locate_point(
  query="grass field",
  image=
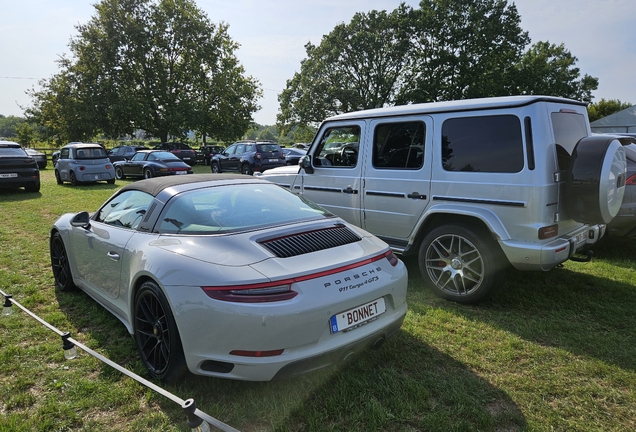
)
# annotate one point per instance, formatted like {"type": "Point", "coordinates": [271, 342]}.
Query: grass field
{"type": "Point", "coordinates": [552, 351]}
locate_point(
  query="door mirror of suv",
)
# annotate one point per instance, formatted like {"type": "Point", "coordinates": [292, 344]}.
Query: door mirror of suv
{"type": "Point", "coordinates": [305, 163]}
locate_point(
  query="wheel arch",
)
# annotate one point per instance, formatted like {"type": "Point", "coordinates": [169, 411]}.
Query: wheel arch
{"type": "Point", "coordinates": [480, 219]}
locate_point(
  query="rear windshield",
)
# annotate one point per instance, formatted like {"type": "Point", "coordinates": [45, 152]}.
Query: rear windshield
{"type": "Point", "coordinates": [12, 151]}
{"type": "Point", "coordinates": [90, 153]}
{"type": "Point", "coordinates": [223, 209]}
{"type": "Point", "coordinates": [267, 147]}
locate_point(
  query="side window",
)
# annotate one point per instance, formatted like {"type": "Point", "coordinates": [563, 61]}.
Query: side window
{"type": "Point", "coordinates": [484, 144]}
{"type": "Point", "coordinates": [399, 145]}
{"type": "Point", "coordinates": [126, 210]}
{"type": "Point", "coordinates": [338, 147]}
{"type": "Point", "coordinates": [64, 153]}
{"type": "Point", "coordinates": [138, 157]}
{"type": "Point", "coordinates": [230, 150]}
{"type": "Point", "coordinates": [240, 149]}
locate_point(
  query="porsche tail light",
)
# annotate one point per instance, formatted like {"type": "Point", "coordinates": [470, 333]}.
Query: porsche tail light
{"type": "Point", "coordinates": [253, 293]}
{"type": "Point", "coordinates": [390, 256]}
{"type": "Point", "coordinates": [245, 353]}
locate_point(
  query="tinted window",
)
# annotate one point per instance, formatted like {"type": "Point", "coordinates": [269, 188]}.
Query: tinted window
{"type": "Point", "coordinates": [12, 151]}
{"type": "Point", "coordinates": [126, 210]}
{"type": "Point", "coordinates": [568, 129]}
{"type": "Point", "coordinates": [399, 145]}
{"type": "Point", "coordinates": [267, 147]}
{"type": "Point", "coordinates": [139, 157]}
{"type": "Point", "coordinates": [484, 144]}
{"type": "Point", "coordinates": [224, 209]}
{"type": "Point", "coordinates": [338, 147]}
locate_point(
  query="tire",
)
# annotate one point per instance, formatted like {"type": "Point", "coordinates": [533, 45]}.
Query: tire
{"type": "Point", "coordinates": [58, 179]}
{"type": "Point", "coordinates": [246, 169]}
{"type": "Point", "coordinates": [59, 264]}
{"type": "Point", "coordinates": [148, 173]}
{"type": "Point", "coordinates": [74, 181]}
{"type": "Point", "coordinates": [156, 334]}
{"type": "Point", "coordinates": [596, 180]}
{"type": "Point", "coordinates": [461, 264]}
{"type": "Point", "coordinates": [214, 167]}
{"type": "Point", "coordinates": [111, 181]}
{"type": "Point", "coordinates": [119, 173]}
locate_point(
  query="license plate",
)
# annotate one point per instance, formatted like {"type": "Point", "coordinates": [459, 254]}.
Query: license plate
{"type": "Point", "coordinates": [581, 238]}
{"type": "Point", "coordinates": [180, 172]}
{"type": "Point", "coordinates": [273, 160]}
{"type": "Point", "coordinates": [10, 175]}
{"type": "Point", "coordinates": [352, 318]}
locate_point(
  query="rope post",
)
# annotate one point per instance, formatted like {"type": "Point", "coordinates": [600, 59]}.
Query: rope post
{"type": "Point", "coordinates": [6, 310]}
{"type": "Point", "coordinates": [195, 423]}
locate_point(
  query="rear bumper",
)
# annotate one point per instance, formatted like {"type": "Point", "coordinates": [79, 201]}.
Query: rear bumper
{"type": "Point", "coordinates": [537, 257]}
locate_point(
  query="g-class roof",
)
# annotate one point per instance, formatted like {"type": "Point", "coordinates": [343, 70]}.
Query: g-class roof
{"type": "Point", "coordinates": [456, 105]}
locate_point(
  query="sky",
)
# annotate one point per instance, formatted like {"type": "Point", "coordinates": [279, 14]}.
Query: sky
{"type": "Point", "coordinates": [272, 35]}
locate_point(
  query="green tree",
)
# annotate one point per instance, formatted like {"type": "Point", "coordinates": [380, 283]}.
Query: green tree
{"type": "Point", "coordinates": [462, 49]}
{"type": "Point", "coordinates": [443, 50]}
{"type": "Point", "coordinates": [8, 125]}
{"type": "Point", "coordinates": [603, 108]}
{"type": "Point", "coordinates": [25, 134]}
{"type": "Point", "coordinates": [156, 65]}
{"type": "Point", "coordinates": [357, 66]}
{"type": "Point", "coordinates": [549, 69]}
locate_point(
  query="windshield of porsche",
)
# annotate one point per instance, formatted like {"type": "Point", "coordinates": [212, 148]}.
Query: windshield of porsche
{"type": "Point", "coordinates": [229, 208]}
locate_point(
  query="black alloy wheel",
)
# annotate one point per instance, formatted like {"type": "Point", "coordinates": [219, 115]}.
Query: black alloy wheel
{"type": "Point", "coordinates": [156, 334]}
{"type": "Point", "coordinates": [59, 264]}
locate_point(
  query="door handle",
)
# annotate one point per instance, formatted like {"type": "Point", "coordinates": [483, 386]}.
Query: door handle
{"type": "Point", "coordinates": [416, 195]}
{"type": "Point", "coordinates": [113, 255]}
{"type": "Point", "coordinates": [348, 190]}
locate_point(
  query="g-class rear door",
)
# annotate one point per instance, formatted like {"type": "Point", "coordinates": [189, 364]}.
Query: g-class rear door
{"type": "Point", "coordinates": [335, 179]}
{"type": "Point", "coordinates": [397, 177]}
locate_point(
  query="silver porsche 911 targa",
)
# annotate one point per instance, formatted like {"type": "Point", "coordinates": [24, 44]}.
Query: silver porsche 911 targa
{"type": "Point", "coordinates": [231, 276]}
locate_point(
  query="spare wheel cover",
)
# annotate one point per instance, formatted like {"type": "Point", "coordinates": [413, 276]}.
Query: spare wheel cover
{"type": "Point", "coordinates": [596, 180]}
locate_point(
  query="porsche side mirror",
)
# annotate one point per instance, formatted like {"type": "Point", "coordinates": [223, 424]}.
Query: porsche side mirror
{"type": "Point", "coordinates": [82, 220]}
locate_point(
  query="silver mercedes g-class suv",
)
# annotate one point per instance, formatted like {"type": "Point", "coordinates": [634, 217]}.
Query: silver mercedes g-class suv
{"type": "Point", "coordinates": [470, 186]}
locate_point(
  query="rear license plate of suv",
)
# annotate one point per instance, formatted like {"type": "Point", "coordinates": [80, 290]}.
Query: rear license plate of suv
{"type": "Point", "coordinates": [357, 316]}
{"type": "Point", "coordinates": [10, 175]}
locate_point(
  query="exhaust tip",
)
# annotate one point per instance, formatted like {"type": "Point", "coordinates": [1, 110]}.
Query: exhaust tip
{"type": "Point", "coordinates": [378, 343]}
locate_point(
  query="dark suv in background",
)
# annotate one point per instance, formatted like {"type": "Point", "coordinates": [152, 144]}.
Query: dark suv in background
{"type": "Point", "coordinates": [247, 157]}
{"type": "Point", "coordinates": [180, 150]}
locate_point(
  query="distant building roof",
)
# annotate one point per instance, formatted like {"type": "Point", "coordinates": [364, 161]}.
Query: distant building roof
{"type": "Point", "coordinates": [623, 121]}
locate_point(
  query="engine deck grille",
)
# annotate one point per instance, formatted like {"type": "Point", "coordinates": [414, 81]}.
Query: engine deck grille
{"type": "Point", "coordinates": [311, 241]}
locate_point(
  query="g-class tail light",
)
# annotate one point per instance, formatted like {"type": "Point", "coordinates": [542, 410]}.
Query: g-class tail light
{"type": "Point", "coordinates": [548, 231]}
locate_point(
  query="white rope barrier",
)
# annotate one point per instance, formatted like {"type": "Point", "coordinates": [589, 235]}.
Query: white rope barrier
{"type": "Point", "coordinates": [187, 405]}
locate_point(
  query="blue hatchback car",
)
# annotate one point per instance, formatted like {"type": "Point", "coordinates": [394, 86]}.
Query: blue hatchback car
{"type": "Point", "coordinates": [83, 163]}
